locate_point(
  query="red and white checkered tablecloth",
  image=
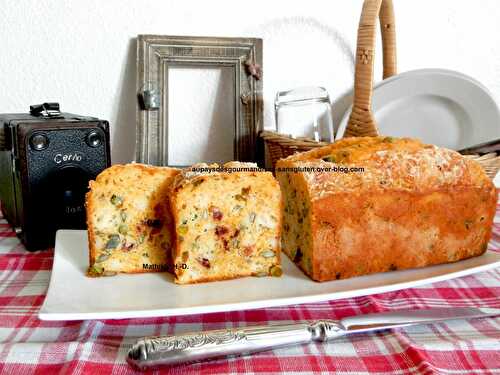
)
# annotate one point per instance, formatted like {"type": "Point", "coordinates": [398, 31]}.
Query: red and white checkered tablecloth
{"type": "Point", "coordinates": [31, 346]}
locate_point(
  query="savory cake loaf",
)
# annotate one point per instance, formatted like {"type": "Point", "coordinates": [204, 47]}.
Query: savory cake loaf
{"type": "Point", "coordinates": [227, 223]}
{"type": "Point", "coordinates": [366, 205]}
{"type": "Point", "coordinates": [129, 221]}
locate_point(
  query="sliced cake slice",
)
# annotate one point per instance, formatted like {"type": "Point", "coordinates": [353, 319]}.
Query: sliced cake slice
{"type": "Point", "coordinates": [227, 223]}
{"type": "Point", "coordinates": [129, 221]}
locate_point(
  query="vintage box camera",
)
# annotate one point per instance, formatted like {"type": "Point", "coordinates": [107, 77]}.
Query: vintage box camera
{"type": "Point", "coordinates": [46, 161]}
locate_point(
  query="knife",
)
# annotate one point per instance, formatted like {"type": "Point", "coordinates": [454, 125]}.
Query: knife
{"type": "Point", "coordinates": [152, 352]}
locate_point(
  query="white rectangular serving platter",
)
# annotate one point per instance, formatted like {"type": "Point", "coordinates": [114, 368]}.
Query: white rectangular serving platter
{"type": "Point", "coordinates": [74, 296]}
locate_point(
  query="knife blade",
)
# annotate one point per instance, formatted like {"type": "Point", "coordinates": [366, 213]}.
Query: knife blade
{"type": "Point", "coordinates": [405, 318]}
{"type": "Point", "coordinates": [155, 351]}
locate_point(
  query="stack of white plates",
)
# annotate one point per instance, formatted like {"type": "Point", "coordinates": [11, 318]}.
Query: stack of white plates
{"type": "Point", "coordinates": [441, 107]}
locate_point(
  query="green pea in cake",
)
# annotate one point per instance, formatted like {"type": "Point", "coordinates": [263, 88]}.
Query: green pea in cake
{"type": "Point", "coordinates": [227, 223]}
{"type": "Point", "coordinates": [129, 221]}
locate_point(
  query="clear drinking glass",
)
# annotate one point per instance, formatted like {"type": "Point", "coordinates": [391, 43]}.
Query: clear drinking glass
{"type": "Point", "coordinates": [304, 112]}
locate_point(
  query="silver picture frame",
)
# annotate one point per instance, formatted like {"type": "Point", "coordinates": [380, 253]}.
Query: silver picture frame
{"type": "Point", "coordinates": [156, 54]}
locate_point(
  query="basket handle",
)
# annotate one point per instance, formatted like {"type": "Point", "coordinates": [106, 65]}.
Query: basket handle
{"type": "Point", "coordinates": [361, 122]}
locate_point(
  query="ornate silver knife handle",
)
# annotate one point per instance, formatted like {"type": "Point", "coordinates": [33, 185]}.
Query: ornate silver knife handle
{"type": "Point", "coordinates": [151, 352]}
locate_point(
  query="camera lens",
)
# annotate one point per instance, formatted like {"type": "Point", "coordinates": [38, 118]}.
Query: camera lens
{"type": "Point", "coordinates": [94, 138]}
{"type": "Point", "coordinates": [68, 186]}
{"type": "Point", "coordinates": [39, 142]}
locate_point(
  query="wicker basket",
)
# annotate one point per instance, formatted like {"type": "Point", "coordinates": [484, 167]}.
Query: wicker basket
{"type": "Point", "coordinates": [362, 122]}
{"type": "Point", "coordinates": [280, 146]}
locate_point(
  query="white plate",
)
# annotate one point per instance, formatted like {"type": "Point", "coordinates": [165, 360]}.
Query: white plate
{"type": "Point", "coordinates": [440, 107]}
{"type": "Point", "coordinates": [73, 296]}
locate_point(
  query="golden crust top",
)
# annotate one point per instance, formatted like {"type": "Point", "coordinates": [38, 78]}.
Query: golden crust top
{"type": "Point", "coordinates": [384, 163]}
{"type": "Point", "coordinates": [201, 170]}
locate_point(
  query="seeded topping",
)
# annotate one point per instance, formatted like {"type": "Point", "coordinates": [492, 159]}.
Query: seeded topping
{"type": "Point", "coordinates": [103, 257]}
{"type": "Point", "coordinates": [113, 242]}
{"type": "Point", "coordinates": [204, 262]}
{"type": "Point", "coordinates": [276, 271]}
{"type": "Point", "coordinates": [268, 254]}
{"type": "Point", "coordinates": [183, 229]}
{"type": "Point", "coordinates": [409, 167]}
{"type": "Point", "coordinates": [116, 200]}
{"type": "Point", "coordinates": [96, 270]}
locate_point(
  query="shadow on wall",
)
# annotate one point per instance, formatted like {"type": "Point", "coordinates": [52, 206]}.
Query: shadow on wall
{"type": "Point", "coordinates": [223, 113]}
{"type": "Point", "coordinates": [303, 51]}
{"type": "Point", "coordinates": [340, 64]}
{"type": "Point", "coordinates": [123, 126]}
{"type": "Point", "coordinates": [340, 107]}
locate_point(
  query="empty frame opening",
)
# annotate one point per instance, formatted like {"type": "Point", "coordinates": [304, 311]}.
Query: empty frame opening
{"type": "Point", "coordinates": [201, 115]}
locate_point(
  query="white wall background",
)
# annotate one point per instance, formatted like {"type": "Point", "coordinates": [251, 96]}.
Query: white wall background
{"type": "Point", "coordinates": [82, 52]}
